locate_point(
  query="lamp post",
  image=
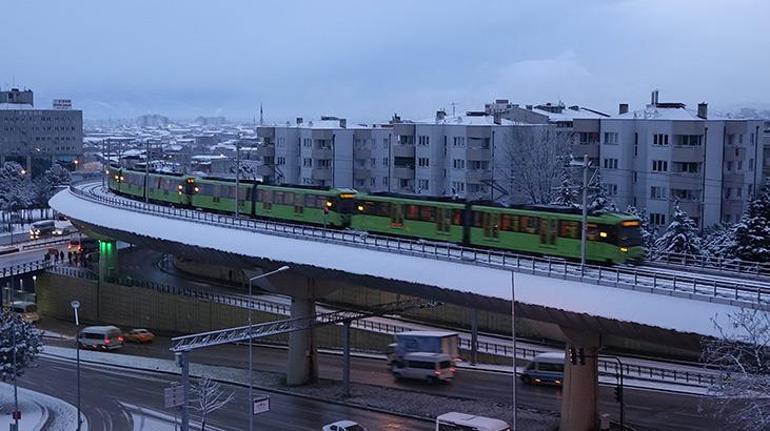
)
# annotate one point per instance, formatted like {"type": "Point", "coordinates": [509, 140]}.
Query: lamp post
{"type": "Point", "coordinates": [585, 164]}
{"type": "Point", "coordinates": [75, 305]}
{"type": "Point", "coordinates": [237, 179]}
{"type": "Point", "coordinates": [513, 337]}
{"type": "Point", "coordinates": [251, 368]}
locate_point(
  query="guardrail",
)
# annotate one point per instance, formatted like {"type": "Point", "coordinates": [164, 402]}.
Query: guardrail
{"type": "Point", "coordinates": [642, 372]}
{"type": "Point", "coordinates": [24, 268]}
{"type": "Point", "coordinates": [736, 266]}
{"type": "Point", "coordinates": [684, 286]}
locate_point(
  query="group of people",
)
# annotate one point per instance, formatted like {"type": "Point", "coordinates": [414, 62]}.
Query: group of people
{"type": "Point", "coordinates": [73, 257]}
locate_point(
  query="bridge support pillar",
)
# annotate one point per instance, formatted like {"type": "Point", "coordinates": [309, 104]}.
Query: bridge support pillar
{"type": "Point", "coordinates": [303, 363]}
{"type": "Point", "coordinates": [580, 392]}
{"type": "Point", "coordinates": [108, 259]}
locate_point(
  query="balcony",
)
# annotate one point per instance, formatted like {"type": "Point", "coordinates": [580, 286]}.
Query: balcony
{"type": "Point", "coordinates": [323, 174]}
{"type": "Point", "coordinates": [400, 150]}
{"type": "Point", "coordinates": [321, 153]}
{"type": "Point", "coordinates": [403, 172]}
{"type": "Point", "coordinates": [265, 151]}
{"type": "Point", "coordinates": [478, 176]}
{"type": "Point", "coordinates": [362, 173]}
{"type": "Point", "coordinates": [478, 153]}
{"type": "Point", "coordinates": [687, 153]}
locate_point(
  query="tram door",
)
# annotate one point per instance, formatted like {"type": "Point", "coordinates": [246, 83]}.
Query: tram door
{"type": "Point", "coordinates": [548, 229]}
{"type": "Point", "coordinates": [443, 220]}
{"type": "Point", "coordinates": [396, 215]}
{"type": "Point", "coordinates": [491, 224]}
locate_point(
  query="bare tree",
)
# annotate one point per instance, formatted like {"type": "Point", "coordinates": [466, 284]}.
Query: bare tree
{"type": "Point", "coordinates": [208, 397]}
{"type": "Point", "coordinates": [742, 355]}
{"type": "Point", "coordinates": [531, 162]}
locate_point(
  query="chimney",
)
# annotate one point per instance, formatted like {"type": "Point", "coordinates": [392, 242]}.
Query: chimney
{"type": "Point", "coordinates": [703, 110]}
{"type": "Point", "coordinates": [440, 115]}
{"type": "Point", "coordinates": [654, 98]}
{"type": "Point", "coordinates": [343, 123]}
{"type": "Point", "coordinates": [299, 120]}
{"type": "Point", "coordinates": [622, 108]}
{"type": "Point", "coordinates": [497, 117]}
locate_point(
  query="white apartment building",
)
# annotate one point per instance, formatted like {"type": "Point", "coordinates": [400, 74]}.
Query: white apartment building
{"type": "Point", "coordinates": [664, 153]}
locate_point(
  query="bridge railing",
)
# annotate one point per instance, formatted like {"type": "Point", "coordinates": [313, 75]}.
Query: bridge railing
{"type": "Point", "coordinates": [607, 367]}
{"type": "Point", "coordinates": [25, 268]}
{"type": "Point", "coordinates": [732, 265]}
{"type": "Point", "coordinates": [682, 285]}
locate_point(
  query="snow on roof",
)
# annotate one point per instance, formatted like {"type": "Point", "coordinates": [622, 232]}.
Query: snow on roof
{"type": "Point", "coordinates": [428, 333]}
{"type": "Point", "coordinates": [16, 106]}
{"type": "Point", "coordinates": [467, 120]}
{"type": "Point", "coordinates": [470, 420]}
{"type": "Point", "coordinates": [571, 113]}
{"type": "Point", "coordinates": [652, 112]}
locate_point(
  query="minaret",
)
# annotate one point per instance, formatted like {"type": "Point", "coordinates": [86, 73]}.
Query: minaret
{"type": "Point", "coordinates": [261, 117]}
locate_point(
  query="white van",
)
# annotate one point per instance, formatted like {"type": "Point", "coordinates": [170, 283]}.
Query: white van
{"type": "Point", "coordinates": [42, 229]}
{"type": "Point", "coordinates": [454, 421]}
{"type": "Point", "coordinates": [431, 367]}
{"type": "Point", "coordinates": [545, 368]}
{"type": "Point", "coordinates": [101, 338]}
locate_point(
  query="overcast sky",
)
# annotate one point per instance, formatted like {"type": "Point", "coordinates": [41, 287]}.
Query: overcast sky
{"type": "Point", "coordinates": [366, 60]}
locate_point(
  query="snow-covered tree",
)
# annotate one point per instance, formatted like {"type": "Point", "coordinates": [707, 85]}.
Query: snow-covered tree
{"type": "Point", "coordinates": [599, 199]}
{"type": "Point", "coordinates": [741, 393]}
{"type": "Point", "coordinates": [718, 240]}
{"type": "Point", "coordinates": [27, 340]}
{"type": "Point", "coordinates": [648, 236]}
{"type": "Point", "coordinates": [208, 397]}
{"type": "Point", "coordinates": [532, 163]}
{"type": "Point", "coordinates": [752, 232]}
{"type": "Point", "coordinates": [57, 175]}
{"type": "Point", "coordinates": [15, 187]}
{"type": "Point", "coordinates": [44, 187]}
{"type": "Point", "coordinates": [568, 193]}
{"type": "Point", "coordinates": [681, 235]}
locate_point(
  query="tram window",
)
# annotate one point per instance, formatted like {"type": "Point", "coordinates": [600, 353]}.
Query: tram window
{"type": "Point", "coordinates": [320, 201]}
{"type": "Point", "coordinates": [412, 212]}
{"type": "Point", "coordinates": [427, 213]}
{"type": "Point", "coordinates": [505, 222]}
{"type": "Point", "coordinates": [528, 224]}
{"type": "Point", "coordinates": [478, 219]}
{"type": "Point", "coordinates": [382, 209]}
{"type": "Point", "coordinates": [288, 198]}
{"type": "Point", "coordinates": [457, 217]}
{"type": "Point", "coordinates": [593, 232]}
{"type": "Point", "coordinates": [310, 201]}
{"type": "Point", "coordinates": [569, 229]}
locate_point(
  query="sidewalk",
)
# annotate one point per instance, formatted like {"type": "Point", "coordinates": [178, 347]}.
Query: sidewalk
{"type": "Point", "coordinates": [38, 411]}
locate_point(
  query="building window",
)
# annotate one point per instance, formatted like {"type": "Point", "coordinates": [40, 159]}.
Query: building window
{"type": "Point", "coordinates": [612, 189]}
{"type": "Point", "coordinates": [280, 160]}
{"type": "Point", "coordinates": [685, 195]}
{"type": "Point", "coordinates": [307, 162]}
{"type": "Point", "coordinates": [423, 162]}
{"type": "Point", "coordinates": [751, 164]}
{"type": "Point", "coordinates": [610, 138]}
{"type": "Point", "coordinates": [478, 165]}
{"type": "Point", "coordinates": [728, 193]}
{"type": "Point", "coordinates": [458, 141]}
{"type": "Point", "coordinates": [729, 166]}
{"type": "Point", "coordinates": [423, 140]}
{"type": "Point", "coordinates": [403, 183]}
{"type": "Point", "coordinates": [610, 163]}
{"type": "Point", "coordinates": [458, 187]}
{"type": "Point", "coordinates": [373, 162]}
{"type": "Point", "coordinates": [657, 192]}
{"type": "Point", "coordinates": [422, 185]}
{"type": "Point", "coordinates": [385, 161]}
{"type": "Point", "coordinates": [458, 164]}
{"type": "Point", "coordinates": [660, 166]}
{"type": "Point", "coordinates": [385, 181]}
{"type": "Point", "coordinates": [324, 163]}
{"type": "Point", "coordinates": [691, 140]}
{"type": "Point", "coordinates": [657, 219]}
{"type": "Point", "coordinates": [686, 167]}
{"type": "Point", "coordinates": [586, 138]}
{"type": "Point", "coordinates": [660, 139]}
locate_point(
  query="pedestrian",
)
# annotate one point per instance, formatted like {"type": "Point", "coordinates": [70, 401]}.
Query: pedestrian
{"type": "Point", "coordinates": [55, 257]}
{"type": "Point", "coordinates": [69, 257]}
{"type": "Point", "coordinates": [61, 256]}
{"type": "Point", "coordinates": [47, 257]}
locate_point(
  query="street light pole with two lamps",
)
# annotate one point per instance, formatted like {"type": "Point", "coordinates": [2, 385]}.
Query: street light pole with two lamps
{"type": "Point", "coordinates": [75, 305]}
{"type": "Point", "coordinates": [251, 365]}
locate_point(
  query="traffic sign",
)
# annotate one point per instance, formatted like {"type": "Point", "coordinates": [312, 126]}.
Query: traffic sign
{"type": "Point", "coordinates": [261, 405]}
{"type": "Point", "coordinates": [173, 396]}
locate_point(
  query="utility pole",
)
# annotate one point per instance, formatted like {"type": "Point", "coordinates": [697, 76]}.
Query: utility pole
{"type": "Point", "coordinates": [237, 176]}
{"type": "Point", "coordinates": [584, 224]}
{"type": "Point", "coordinates": [146, 169]}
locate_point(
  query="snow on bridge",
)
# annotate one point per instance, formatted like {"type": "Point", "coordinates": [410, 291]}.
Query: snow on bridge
{"type": "Point", "coordinates": [681, 303]}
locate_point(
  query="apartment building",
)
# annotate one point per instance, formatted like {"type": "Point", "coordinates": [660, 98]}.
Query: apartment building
{"type": "Point", "coordinates": [666, 152]}
{"type": "Point", "coordinates": [36, 137]}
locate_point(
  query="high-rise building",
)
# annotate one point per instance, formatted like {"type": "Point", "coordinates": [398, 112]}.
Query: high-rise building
{"type": "Point", "coordinates": [37, 137]}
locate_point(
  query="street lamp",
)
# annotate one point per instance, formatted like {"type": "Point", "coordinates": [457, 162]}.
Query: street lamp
{"type": "Point", "coordinates": [585, 164]}
{"type": "Point", "coordinates": [75, 305]}
{"type": "Point", "coordinates": [251, 368]}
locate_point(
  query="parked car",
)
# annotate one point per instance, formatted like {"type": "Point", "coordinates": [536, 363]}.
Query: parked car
{"type": "Point", "coordinates": [545, 368]}
{"type": "Point", "coordinates": [74, 245]}
{"type": "Point", "coordinates": [454, 421]}
{"type": "Point", "coordinates": [428, 366]}
{"type": "Point", "coordinates": [139, 336]}
{"type": "Point", "coordinates": [101, 338]}
{"type": "Point", "coordinates": [343, 426]}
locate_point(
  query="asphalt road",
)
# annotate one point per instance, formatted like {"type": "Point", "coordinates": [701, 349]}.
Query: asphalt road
{"type": "Point", "coordinates": [116, 399]}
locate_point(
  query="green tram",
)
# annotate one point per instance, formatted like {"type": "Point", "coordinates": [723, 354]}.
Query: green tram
{"type": "Point", "coordinates": [541, 230]}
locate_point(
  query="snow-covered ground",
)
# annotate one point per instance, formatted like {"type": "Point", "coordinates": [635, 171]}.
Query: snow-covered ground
{"type": "Point", "coordinates": [38, 411]}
